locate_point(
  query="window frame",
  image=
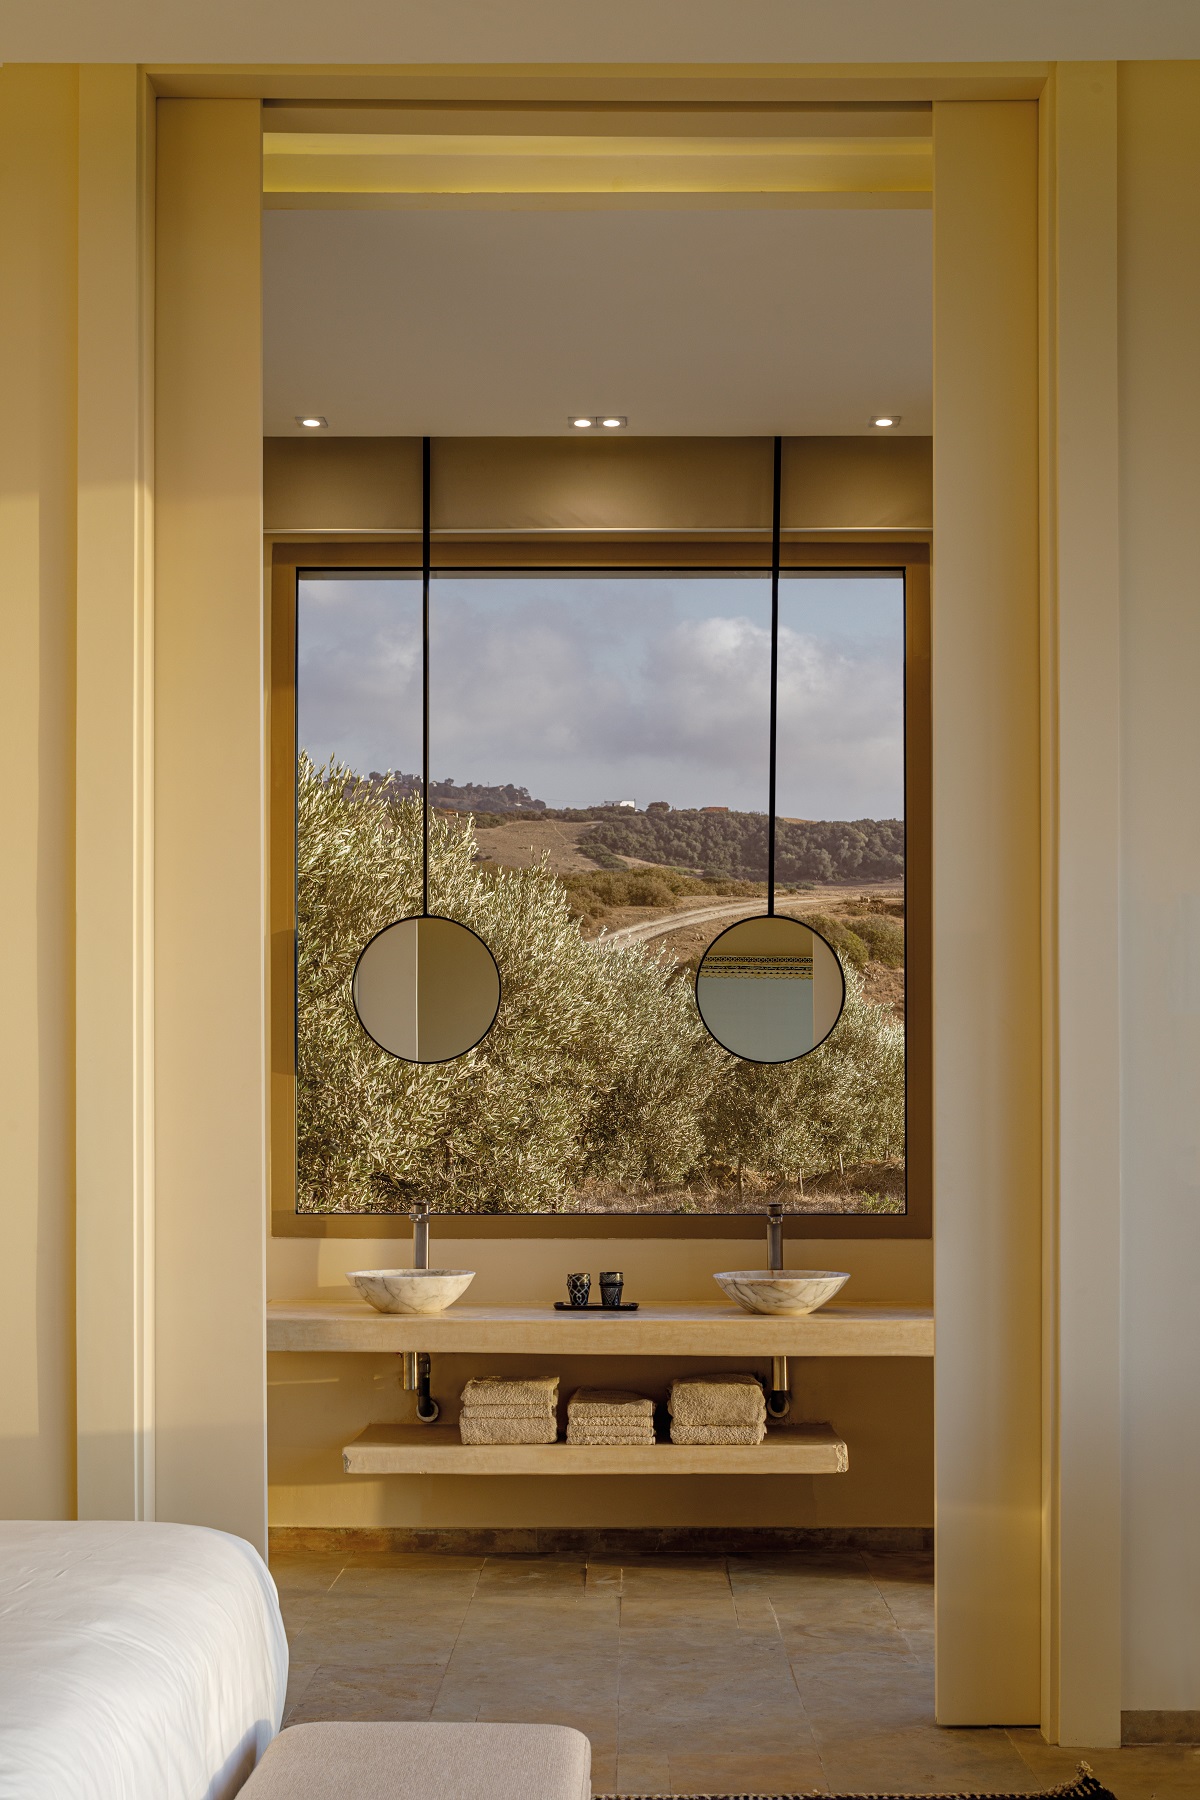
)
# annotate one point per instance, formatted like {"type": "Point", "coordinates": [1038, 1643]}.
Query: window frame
{"type": "Point", "coordinates": [906, 552]}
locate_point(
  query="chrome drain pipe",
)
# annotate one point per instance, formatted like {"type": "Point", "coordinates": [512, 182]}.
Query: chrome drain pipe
{"type": "Point", "coordinates": [415, 1376]}
{"type": "Point", "coordinates": [779, 1400]}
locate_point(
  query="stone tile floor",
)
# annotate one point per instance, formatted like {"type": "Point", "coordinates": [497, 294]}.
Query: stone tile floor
{"type": "Point", "coordinates": [736, 1675]}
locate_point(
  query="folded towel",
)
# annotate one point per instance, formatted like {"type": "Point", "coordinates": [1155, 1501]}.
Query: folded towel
{"type": "Point", "coordinates": [499, 1390]}
{"type": "Point", "coordinates": [608, 1403]}
{"type": "Point", "coordinates": [474, 1411]}
{"type": "Point", "coordinates": [578, 1433]}
{"type": "Point", "coordinates": [634, 1428]}
{"type": "Point", "coordinates": [717, 1434]}
{"type": "Point", "coordinates": [735, 1399]}
{"type": "Point", "coordinates": [602, 1421]}
{"type": "Point", "coordinates": [508, 1431]}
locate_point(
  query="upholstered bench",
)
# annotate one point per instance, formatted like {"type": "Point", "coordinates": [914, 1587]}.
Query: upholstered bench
{"type": "Point", "coordinates": [425, 1761]}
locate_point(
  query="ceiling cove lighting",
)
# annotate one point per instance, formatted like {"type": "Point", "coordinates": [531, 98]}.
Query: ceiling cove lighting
{"type": "Point", "coordinates": [606, 421]}
{"type": "Point", "coordinates": [885, 421]}
{"type": "Point", "coordinates": [312, 422]}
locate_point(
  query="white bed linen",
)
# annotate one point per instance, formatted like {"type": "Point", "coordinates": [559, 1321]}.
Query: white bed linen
{"type": "Point", "coordinates": [137, 1662]}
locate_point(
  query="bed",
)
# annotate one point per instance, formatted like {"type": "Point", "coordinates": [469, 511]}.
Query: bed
{"type": "Point", "coordinates": [137, 1662]}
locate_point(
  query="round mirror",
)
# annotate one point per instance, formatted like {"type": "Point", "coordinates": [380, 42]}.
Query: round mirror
{"type": "Point", "coordinates": [426, 989]}
{"type": "Point", "coordinates": [770, 989]}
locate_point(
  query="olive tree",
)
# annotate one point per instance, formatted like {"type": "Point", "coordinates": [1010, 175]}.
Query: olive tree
{"type": "Point", "coordinates": [597, 1065]}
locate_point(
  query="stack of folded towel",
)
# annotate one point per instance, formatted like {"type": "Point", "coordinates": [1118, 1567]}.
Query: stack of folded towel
{"type": "Point", "coordinates": [718, 1409]}
{"type": "Point", "coordinates": [496, 1410]}
{"type": "Point", "coordinates": [609, 1416]}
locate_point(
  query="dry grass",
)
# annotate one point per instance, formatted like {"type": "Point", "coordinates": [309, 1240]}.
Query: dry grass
{"type": "Point", "coordinates": [863, 1188]}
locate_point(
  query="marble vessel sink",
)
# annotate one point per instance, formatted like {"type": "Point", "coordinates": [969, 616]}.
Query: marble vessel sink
{"type": "Point", "coordinates": [411, 1290]}
{"type": "Point", "coordinates": [785, 1292]}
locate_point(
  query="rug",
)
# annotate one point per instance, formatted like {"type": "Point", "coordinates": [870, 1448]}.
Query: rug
{"type": "Point", "coordinates": [1084, 1787]}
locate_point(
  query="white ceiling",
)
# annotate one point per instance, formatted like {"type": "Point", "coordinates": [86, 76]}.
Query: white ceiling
{"type": "Point", "coordinates": [692, 323]}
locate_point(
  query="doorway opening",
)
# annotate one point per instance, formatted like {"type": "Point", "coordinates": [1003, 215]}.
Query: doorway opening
{"type": "Point", "coordinates": [602, 319]}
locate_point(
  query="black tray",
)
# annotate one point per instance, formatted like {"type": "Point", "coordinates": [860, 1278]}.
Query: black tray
{"type": "Point", "coordinates": [596, 1306]}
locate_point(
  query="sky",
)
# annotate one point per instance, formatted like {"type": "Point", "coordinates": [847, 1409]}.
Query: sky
{"type": "Point", "coordinates": [592, 688]}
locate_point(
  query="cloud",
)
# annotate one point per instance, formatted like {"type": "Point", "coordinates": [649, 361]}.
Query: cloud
{"type": "Point", "coordinates": [610, 689]}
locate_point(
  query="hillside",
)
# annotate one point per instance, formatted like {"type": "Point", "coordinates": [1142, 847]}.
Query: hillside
{"type": "Point", "coordinates": [719, 846]}
{"type": "Point", "coordinates": [735, 844]}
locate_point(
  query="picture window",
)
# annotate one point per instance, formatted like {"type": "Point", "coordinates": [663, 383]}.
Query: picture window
{"type": "Point", "coordinates": [599, 746]}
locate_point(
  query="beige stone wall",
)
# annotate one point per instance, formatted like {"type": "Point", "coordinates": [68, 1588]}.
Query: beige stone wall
{"type": "Point", "coordinates": [348, 484]}
{"type": "Point", "coordinates": [882, 1406]}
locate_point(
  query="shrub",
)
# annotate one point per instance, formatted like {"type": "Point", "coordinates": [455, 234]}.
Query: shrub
{"type": "Point", "coordinates": [883, 937]}
{"type": "Point", "coordinates": [849, 945]}
{"type": "Point", "coordinates": [648, 890]}
{"type": "Point", "coordinates": [593, 896]}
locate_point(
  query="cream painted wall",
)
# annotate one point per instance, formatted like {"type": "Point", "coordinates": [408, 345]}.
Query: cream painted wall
{"type": "Point", "coordinates": [1159, 262]}
{"type": "Point", "coordinates": [38, 187]}
{"type": "Point", "coordinates": [113, 791]}
{"type": "Point", "coordinates": [883, 1406]}
{"type": "Point", "coordinates": [1080, 699]}
{"type": "Point", "coordinates": [209, 842]}
{"type": "Point", "coordinates": [987, 1101]}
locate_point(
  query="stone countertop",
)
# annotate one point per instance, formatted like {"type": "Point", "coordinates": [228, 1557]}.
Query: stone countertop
{"type": "Point", "coordinates": [657, 1329]}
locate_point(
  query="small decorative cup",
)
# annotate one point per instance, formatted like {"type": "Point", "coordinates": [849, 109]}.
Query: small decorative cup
{"type": "Point", "coordinates": [611, 1283]}
{"type": "Point", "coordinates": [579, 1288]}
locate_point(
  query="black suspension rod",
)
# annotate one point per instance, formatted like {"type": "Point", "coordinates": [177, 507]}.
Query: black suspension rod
{"type": "Point", "coordinates": [425, 559]}
{"type": "Point", "coordinates": [776, 506]}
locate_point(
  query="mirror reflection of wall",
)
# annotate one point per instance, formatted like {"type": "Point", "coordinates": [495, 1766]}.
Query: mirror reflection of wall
{"type": "Point", "coordinates": [599, 760]}
{"type": "Point", "coordinates": [426, 989]}
{"type": "Point", "coordinates": [770, 989]}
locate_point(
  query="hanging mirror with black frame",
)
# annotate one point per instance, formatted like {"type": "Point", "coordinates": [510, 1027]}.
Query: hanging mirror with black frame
{"type": "Point", "coordinates": [426, 989]}
{"type": "Point", "coordinates": [771, 989]}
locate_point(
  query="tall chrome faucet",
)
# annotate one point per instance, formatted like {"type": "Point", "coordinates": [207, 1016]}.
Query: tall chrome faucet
{"type": "Point", "coordinates": [775, 1238]}
{"type": "Point", "coordinates": [420, 1225]}
{"type": "Point", "coordinates": [779, 1400]}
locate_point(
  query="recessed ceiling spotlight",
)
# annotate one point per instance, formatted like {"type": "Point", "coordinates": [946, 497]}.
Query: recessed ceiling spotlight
{"type": "Point", "coordinates": [614, 423]}
{"type": "Point", "coordinates": [312, 422]}
{"type": "Point", "coordinates": [580, 424]}
{"type": "Point", "coordinates": [885, 421]}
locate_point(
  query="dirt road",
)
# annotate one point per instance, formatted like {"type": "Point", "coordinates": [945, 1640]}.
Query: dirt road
{"type": "Point", "coordinates": [820, 900]}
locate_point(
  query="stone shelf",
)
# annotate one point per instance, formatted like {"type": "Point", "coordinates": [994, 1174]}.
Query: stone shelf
{"type": "Point", "coordinates": [437, 1450]}
{"type": "Point", "coordinates": [657, 1329]}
